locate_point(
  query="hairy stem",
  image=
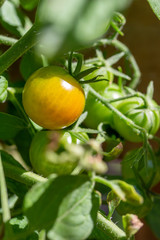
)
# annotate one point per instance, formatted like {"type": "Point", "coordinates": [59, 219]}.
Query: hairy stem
{"type": "Point", "coordinates": [4, 195]}
{"type": "Point", "coordinates": [7, 40]}
{"type": "Point", "coordinates": [130, 58]}
{"type": "Point", "coordinates": [111, 230]}
{"type": "Point", "coordinates": [21, 175]}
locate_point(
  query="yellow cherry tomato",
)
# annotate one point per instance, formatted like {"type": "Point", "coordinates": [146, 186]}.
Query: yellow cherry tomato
{"type": "Point", "coordinates": [52, 98]}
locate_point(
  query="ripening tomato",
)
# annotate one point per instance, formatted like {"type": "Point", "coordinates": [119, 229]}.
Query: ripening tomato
{"type": "Point", "coordinates": [52, 98]}
{"type": "Point", "coordinates": [97, 112]}
{"type": "Point", "coordinates": [134, 108]}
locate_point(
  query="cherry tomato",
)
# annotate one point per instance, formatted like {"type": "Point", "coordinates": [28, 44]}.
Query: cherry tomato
{"type": "Point", "coordinates": [97, 112]}
{"type": "Point", "coordinates": [134, 108]}
{"type": "Point", "coordinates": [127, 171]}
{"type": "Point", "coordinates": [49, 152]}
{"type": "Point", "coordinates": [52, 98]}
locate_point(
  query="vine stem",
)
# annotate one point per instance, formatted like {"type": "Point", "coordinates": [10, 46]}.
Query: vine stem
{"type": "Point", "coordinates": [7, 40]}
{"type": "Point", "coordinates": [111, 230]}
{"type": "Point", "coordinates": [20, 175]}
{"type": "Point", "coordinates": [4, 195]}
{"type": "Point", "coordinates": [137, 129]}
{"type": "Point", "coordinates": [19, 48]}
{"type": "Point", "coordinates": [122, 47]}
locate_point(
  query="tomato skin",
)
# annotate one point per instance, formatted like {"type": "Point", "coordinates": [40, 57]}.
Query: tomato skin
{"type": "Point", "coordinates": [97, 112]}
{"type": "Point", "coordinates": [52, 98]}
{"type": "Point", "coordinates": [134, 109]}
{"type": "Point", "coordinates": [128, 173]}
{"type": "Point", "coordinates": [48, 153]}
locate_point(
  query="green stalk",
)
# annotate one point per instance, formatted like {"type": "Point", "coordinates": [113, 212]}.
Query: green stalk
{"type": "Point", "coordinates": [21, 175]}
{"type": "Point", "coordinates": [4, 195]}
{"type": "Point", "coordinates": [130, 58]}
{"type": "Point", "coordinates": [19, 48]}
{"type": "Point", "coordinates": [138, 130]}
{"type": "Point", "coordinates": [111, 230]}
{"type": "Point", "coordinates": [7, 40]}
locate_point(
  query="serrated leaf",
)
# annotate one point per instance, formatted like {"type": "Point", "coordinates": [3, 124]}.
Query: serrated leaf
{"type": "Point", "coordinates": [155, 5]}
{"type": "Point", "coordinates": [3, 89]}
{"type": "Point", "coordinates": [10, 126]}
{"type": "Point", "coordinates": [65, 209]}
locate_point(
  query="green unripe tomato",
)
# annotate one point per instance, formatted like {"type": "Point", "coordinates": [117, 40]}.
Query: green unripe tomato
{"type": "Point", "coordinates": [48, 153]}
{"type": "Point", "coordinates": [127, 171]}
{"type": "Point", "coordinates": [97, 112]}
{"type": "Point", "coordinates": [101, 85]}
{"type": "Point", "coordinates": [134, 109]}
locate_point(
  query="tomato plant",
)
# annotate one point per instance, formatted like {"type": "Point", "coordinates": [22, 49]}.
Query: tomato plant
{"type": "Point", "coordinates": [57, 153]}
{"type": "Point", "coordinates": [52, 98]}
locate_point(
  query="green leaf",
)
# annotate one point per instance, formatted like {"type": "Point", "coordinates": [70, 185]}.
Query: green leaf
{"type": "Point", "coordinates": [1, 2]}
{"type": "Point", "coordinates": [29, 64]}
{"type": "Point", "coordinates": [86, 20]}
{"type": "Point", "coordinates": [65, 204]}
{"type": "Point", "coordinates": [16, 229]}
{"type": "Point", "coordinates": [10, 126]}
{"type": "Point", "coordinates": [115, 58]}
{"type": "Point", "coordinates": [3, 89]}
{"type": "Point", "coordinates": [155, 5]}
{"type": "Point", "coordinates": [126, 192]}
{"type": "Point", "coordinates": [23, 141]}
{"type": "Point", "coordinates": [13, 20]}
{"type": "Point", "coordinates": [29, 4]}
{"type": "Point", "coordinates": [153, 218]}
{"type": "Point", "coordinates": [123, 190]}
{"type": "Point", "coordinates": [114, 153]}
{"type": "Point", "coordinates": [113, 201]}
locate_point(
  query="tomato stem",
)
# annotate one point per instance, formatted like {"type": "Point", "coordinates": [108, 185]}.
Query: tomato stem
{"type": "Point", "coordinates": [4, 195]}
{"type": "Point", "coordinates": [111, 230]}
{"type": "Point", "coordinates": [8, 41]}
{"type": "Point", "coordinates": [20, 175]}
{"type": "Point", "coordinates": [137, 129]}
{"type": "Point", "coordinates": [130, 58]}
{"type": "Point", "coordinates": [19, 48]}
